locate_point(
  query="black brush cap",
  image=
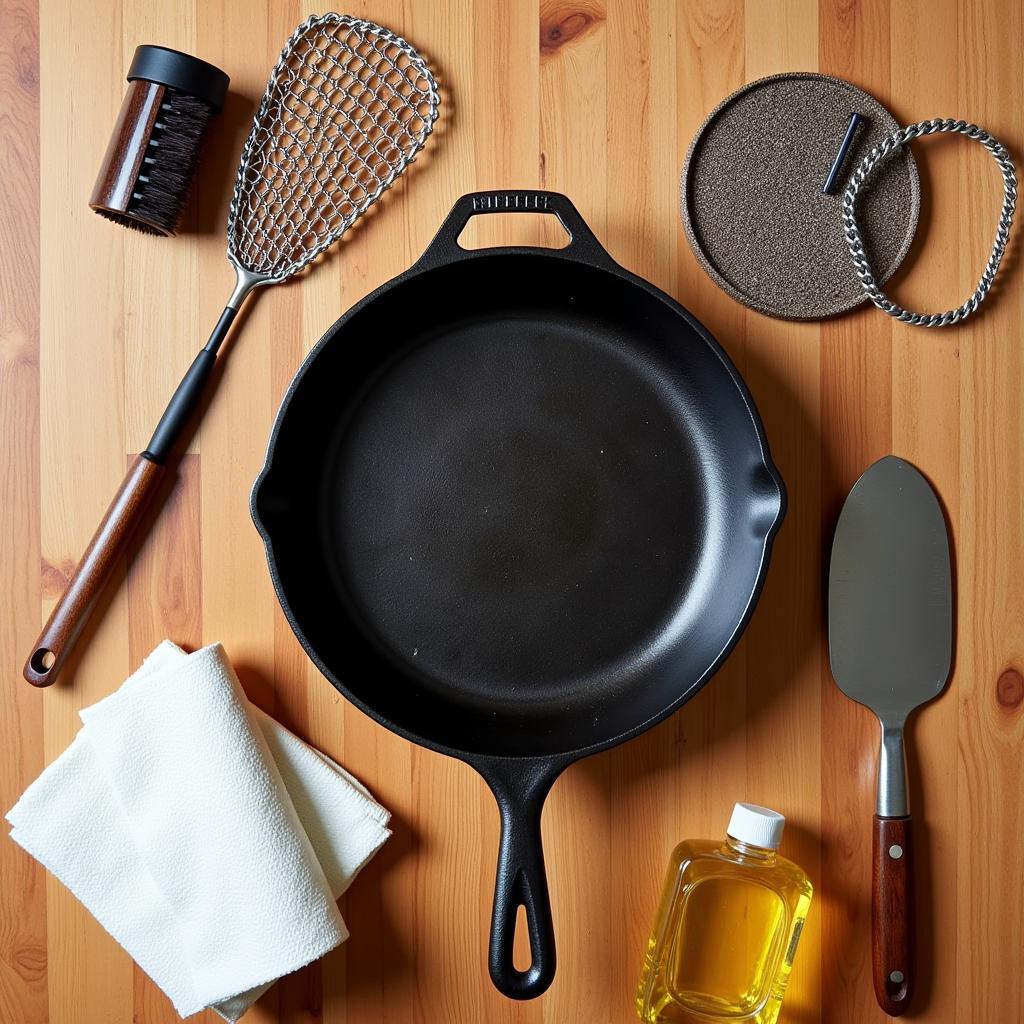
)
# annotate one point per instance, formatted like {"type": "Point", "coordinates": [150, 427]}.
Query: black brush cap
{"type": "Point", "coordinates": [181, 72]}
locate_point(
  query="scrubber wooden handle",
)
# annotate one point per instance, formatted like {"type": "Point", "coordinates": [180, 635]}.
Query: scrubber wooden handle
{"type": "Point", "coordinates": [104, 551]}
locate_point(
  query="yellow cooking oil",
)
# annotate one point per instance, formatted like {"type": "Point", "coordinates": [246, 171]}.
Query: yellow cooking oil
{"type": "Point", "coordinates": [727, 927]}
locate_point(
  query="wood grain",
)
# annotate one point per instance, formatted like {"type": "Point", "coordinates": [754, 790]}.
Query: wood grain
{"type": "Point", "coordinates": [598, 99]}
{"type": "Point", "coordinates": [23, 924]}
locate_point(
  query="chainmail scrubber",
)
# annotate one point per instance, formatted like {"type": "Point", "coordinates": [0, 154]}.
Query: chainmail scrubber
{"type": "Point", "coordinates": [752, 201]}
{"type": "Point", "coordinates": [347, 108]}
{"type": "Point", "coordinates": [760, 206]}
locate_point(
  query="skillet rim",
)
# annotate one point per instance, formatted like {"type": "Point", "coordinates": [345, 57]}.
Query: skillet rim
{"type": "Point", "coordinates": [559, 760]}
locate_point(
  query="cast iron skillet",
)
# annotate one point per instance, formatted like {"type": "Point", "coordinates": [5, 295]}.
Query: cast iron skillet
{"type": "Point", "coordinates": [518, 507]}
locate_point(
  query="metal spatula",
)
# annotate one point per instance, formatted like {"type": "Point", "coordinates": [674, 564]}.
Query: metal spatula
{"type": "Point", "coordinates": [890, 638]}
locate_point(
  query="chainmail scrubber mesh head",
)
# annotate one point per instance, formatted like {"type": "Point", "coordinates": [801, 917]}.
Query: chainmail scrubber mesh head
{"type": "Point", "coordinates": [347, 108]}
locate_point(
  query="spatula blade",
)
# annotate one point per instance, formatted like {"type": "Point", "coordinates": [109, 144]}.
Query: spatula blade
{"type": "Point", "coordinates": [890, 599]}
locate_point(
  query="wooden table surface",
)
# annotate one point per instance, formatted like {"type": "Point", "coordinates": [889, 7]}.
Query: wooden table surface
{"type": "Point", "coordinates": [97, 324]}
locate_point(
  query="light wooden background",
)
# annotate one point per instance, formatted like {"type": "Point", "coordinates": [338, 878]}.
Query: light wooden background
{"type": "Point", "coordinates": [599, 99]}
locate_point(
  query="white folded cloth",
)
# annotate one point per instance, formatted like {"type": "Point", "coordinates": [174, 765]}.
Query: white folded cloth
{"type": "Point", "coordinates": [206, 838]}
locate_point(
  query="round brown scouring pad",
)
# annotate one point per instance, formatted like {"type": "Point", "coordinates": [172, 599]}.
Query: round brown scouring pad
{"type": "Point", "coordinates": [752, 201]}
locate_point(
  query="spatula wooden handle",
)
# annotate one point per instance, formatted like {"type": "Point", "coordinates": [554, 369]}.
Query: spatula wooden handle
{"type": "Point", "coordinates": [104, 551]}
{"type": "Point", "coordinates": [892, 918]}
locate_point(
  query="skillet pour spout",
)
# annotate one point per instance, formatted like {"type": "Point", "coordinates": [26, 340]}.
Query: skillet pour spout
{"type": "Point", "coordinates": [525, 528]}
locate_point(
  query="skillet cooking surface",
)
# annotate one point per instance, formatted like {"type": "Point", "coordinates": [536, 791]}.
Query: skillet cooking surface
{"type": "Point", "coordinates": [516, 508]}
{"type": "Point", "coordinates": [540, 511]}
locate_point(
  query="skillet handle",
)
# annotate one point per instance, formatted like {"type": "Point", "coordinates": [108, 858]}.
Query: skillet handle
{"type": "Point", "coordinates": [583, 244]}
{"type": "Point", "coordinates": [520, 788]}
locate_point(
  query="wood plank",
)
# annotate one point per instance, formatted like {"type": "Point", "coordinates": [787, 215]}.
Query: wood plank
{"type": "Point", "coordinates": [576, 157]}
{"type": "Point", "coordinates": [710, 734]}
{"type": "Point", "coordinates": [990, 656]}
{"type": "Point", "coordinates": [239, 616]}
{"type": "Point", "coordinates": [926, 383]}
{"type": "Point", "coordinates": [856, 389]}
{"type": "Point", "coordinates": [23, 959]}
{"type": "Point", "coordinates": [445, 957]}
{"type": "Point", "coordinates": [646, 778]}
{"type": "Point", "coordinates": [505, 154]}
{"type": "Point", "coordinates": [164, 604]}
{"type": "Point", "coordinates": [782, 365]}
{"type": "Point", "coordinates": [162, 328]}
{"type": "Point", "coordinates": [82, 450]}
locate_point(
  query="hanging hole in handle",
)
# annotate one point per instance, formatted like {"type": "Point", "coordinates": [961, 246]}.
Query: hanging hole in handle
{"type": "Point", "coordinates": [43, 660]}
{"type": "Point", "coordinates": [522, 953]}
{"type": "Point", "coordinates": [896, 986]}
{"type": "Point", "coordinates": [497, 229]}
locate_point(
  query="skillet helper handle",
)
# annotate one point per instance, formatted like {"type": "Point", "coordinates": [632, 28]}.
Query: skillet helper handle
{"type": "Point", "coordinates": [521, 882]}
{"type": "Point", "coordinates": [583, 244]}
{"type": "Point", "coordinates": [108, 544]}
{"type": "Point", "coordinates": [892, 946]}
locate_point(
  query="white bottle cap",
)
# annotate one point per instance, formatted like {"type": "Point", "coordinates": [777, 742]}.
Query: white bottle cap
{"type": "Point", "coordinates": [756, 826]}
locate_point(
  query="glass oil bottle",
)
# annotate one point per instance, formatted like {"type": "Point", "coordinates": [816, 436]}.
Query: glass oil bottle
{"type": "Point", "coordinates": [727, 928]}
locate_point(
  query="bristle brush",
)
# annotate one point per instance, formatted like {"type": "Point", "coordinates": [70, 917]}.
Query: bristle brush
{"type": "Point", "coordinates": [347, 108]}
{"type": "Point", "coordinates": [154, 149]}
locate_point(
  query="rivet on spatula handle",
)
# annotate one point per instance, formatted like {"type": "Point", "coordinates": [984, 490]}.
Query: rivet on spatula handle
{"type": "Point", "coordinates": [892, 946]}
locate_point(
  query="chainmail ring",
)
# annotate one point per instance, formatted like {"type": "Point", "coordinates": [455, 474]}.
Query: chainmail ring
{"type": "Point", "coordinates": [862, 266]}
